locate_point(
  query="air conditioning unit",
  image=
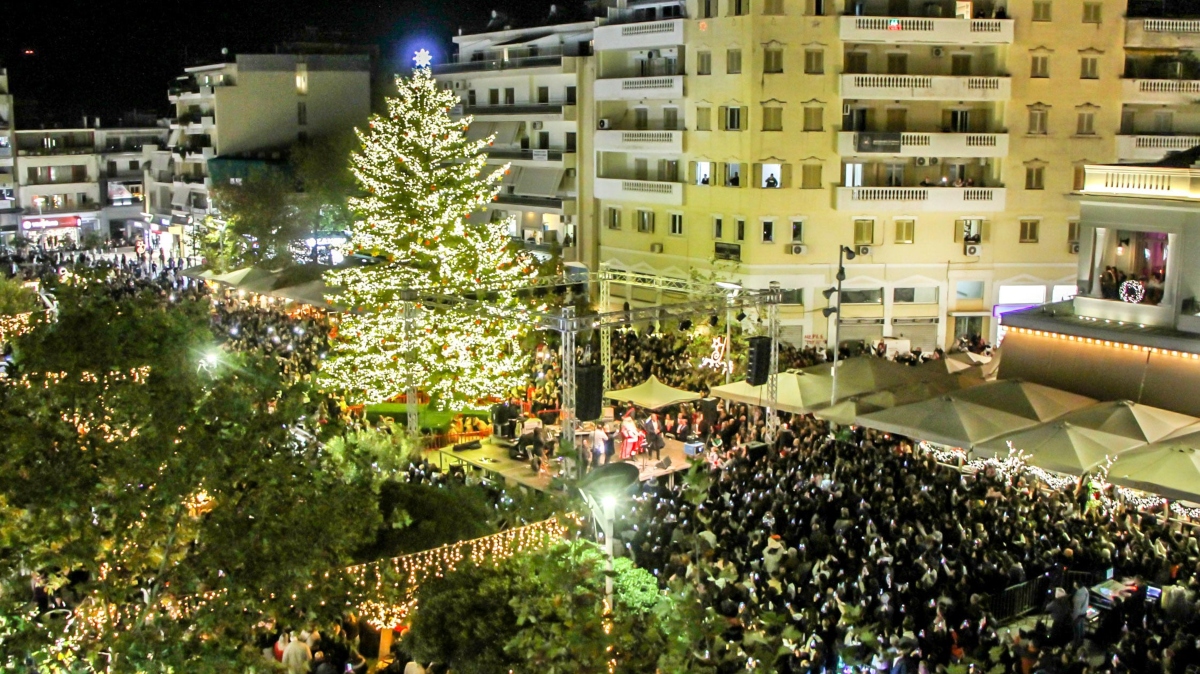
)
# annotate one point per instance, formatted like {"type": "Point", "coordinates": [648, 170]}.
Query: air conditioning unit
{"type": "Point", "coordinates": [656, 248]}
{"type": "Point", "coordinates": [1073, 247]}
{"type": "Point", "coordinates": [938, 52]}
{"type": "Point", "coordinates": [604, 123]}
{"type": "Point", "coordinates": [972, 249]}
{"type": "Point", "coordinates": [537, 126]}
{"type": "Point", "coordinates": [864, 250]}
{"type": "Point", "coordinates": [796, 249]}
{"type": "Point", "coordinates": [921, 161]}
{"type": "Point", "coordinates": [933, 161]}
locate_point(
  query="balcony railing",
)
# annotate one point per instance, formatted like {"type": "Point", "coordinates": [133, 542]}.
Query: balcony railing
{"type": "Point", "coordinates": [1168, 92]}
{"type": "Point", "coordinates": [55, 151]}
{"type": "Point", "coordinates": [5, 152]}
{"type": "Point", "coordinates": [670, 142]}
{"type": "Point", "coordinates": [532, 155]}
{"type": "Point", "coordinates": [1162, 33]}
{"type": "Point", "coordinates": [923, 144]}
{"type": "Point", "coordinates": [643, 191]}
{"type": "Point", "coordinates": [1152, 148]}
{"type": "Point", "coordinates": [925, 87]}
{"type": "Point", "coordinates": [926, 199]}
{"type": "Point", "coordinates": [638, 88]}
{"type": "Point", "coordinates": [645, 35]}
{"type": "Point", "coordinates": [495, 61]}
{"type": "Point", "coordinates": [514, 109]}
{"type": "Point", "coordinates": [1141, 181]}
{"type": "Point", "coordinates": [921, 30]}
{"type": "Point", "coordinates": [555, 203]}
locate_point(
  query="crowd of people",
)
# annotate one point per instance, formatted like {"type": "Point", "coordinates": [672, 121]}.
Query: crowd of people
{"type": "Point", "coordinates": [884, 560]}
{"type": "Point", "coordinates": [297, 339]}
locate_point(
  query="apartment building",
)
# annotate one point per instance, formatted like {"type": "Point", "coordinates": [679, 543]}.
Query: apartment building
{"type": "Point", "coordinates": [531, 88]}
{"type": "Point", "coordinates": [939, 141]}
{"type": "Point", "coordinates": [1161, 85]}
{"type": "Point", "coordinates": [8, 184]}
{"type": "Point", "coordinates": [76, 181]}
{"type": "Point", "coordinates": [249, 104]}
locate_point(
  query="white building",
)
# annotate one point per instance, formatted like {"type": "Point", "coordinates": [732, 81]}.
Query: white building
{"type": "Point", "coordinates": [8, 183]}
{"type": "Point", "coordinates": [252, 103]}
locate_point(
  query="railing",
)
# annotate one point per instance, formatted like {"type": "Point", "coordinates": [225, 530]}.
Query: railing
{"type": "Point", "coordinates": [890, 194]}
{"type": "Point", "coordinates": [1171, 25]}
{"type": "Point", "coordinates": [526, 200]}
{"type": "Point", "coordinates": [647, 187]}
{"type": "Point", "coordinates": [926, 199]}
{"type": "Point", "coordinates": [514, 109]}
{"type": "Point", "coordinates": [53, 151]}
{"type": "Point", "coordinates": [903, 29]}
{"type": "Point", "coordinates": [1166, 142]}
{"type": "Point", "coordinates": [6, 151]}
{"type": "Point", "coordinates": [638, 83]}
{"type": "Point", "coordinates": [1017, 600]}
{"type": "Point", "coordinates": [497, 62]}
{"type": "Point", "coordinates": [1169, 86]}
{"type": "Point", "coordinates": [537, 155]}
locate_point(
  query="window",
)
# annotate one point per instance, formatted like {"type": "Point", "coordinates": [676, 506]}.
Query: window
{"type": "Point", "coordinates": [797, 231]}
{"type": "Point", "coordinates": [814, 61]}
{"type": "Point", "coordinates": [814, 118]}
{"type": "Point", "coordinates": [645, 222]}
{"type": "Point", "coordinates": [708, 9]}
{"type": "Point", "coordinates": [543, 95]}
{"type": "Point", "coordinates": [1072, 230]}
{"type": "Point", "coordinates": [703, 118]}
{"type": "Point", "coordinates": [727, 251]}
{"type": "Point", "coordinates": [1035, 177]}
{"type": "Point", "coordinates": [768, 231]}
{"type": "Point", "coordinates": [741, 230]}
{"type": "Point", "coordinates": [772, 119]}
{"type": "Point", "coordinates": [1041, 10]}
{"type": "Point", "coordinates": [1086, 125]}
{"type": "Point", "coordinates": [864, 232]}
{"type": "Point", "coordinates": [1039, 66]}
{"type": "Point", "coordinates": [613, 218]}
{"type": "Point", "coordinates": [905, 230]}
{"type": "Point", "coordinates": [773, 7]}
{"type": "Point", "coordinates": [571, 93]}
{"type": "Point", "coordinates": [1037, 121]}
{"type": "Point", "coordinates": [862, 296]}
{"type": "Point", "coordinates": [677, 224]}
{"type": "Point", "coordinates": [704, 63]}
{"type": "Point", "coordinates": [810, 177]}
{"type": "Point", "coordinates": [969, 230]}
{"type": "Point", "coordinates": [897, 63]}
{"type": "Point", "coordinates": [968, 290]}
{"type": "Point", "coordinates": [301, 79]}
{"type": "Point", "coordinates": [493, 97]}
{"type": "Point", "coordinates": [926, 295]}
{"type": "Point", "coordinates": [733, 61]}
{"type": "Point", "coordinates": [733, 118]}
{"type": "Point", "coordinates": [814, 7]}
{"type": "Point", "coordinates": [641, 168]}
{"type": "Point", "coordinates": [960, 65]}
{"type": "Point", "coordinates": [718, 228]}
{"type": "Point", "coordinates": [641, 118]}
{"type": "Point", "coordinates": [773, 60]}
{"type": "Point", "coordinates": [739, 7]}
{"type": "Point", "coordinates": [670, 118]}
{"type": "Point", "coordinates": [510, 96]}
{"type": "Point", "coordinates": [1029, 231]}
{"type": "Point", "coordinates": [1091, 12]}
{"type": "Point", "coordinates": [703, 173]}
{"type": "Point", "coordinates": [302, 113]}
{"type": "Point", "coordinates": [1089, 68]}
{"type": "Point", "coordinates": [133, 165]}
{"type": "Point", "coordinates": [770, 176]}
{"type": "Point", "coordinates": [856, 62]}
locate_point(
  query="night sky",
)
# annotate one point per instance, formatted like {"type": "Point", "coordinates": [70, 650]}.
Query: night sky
{"type": "Point", "coordinates": [104, 57]}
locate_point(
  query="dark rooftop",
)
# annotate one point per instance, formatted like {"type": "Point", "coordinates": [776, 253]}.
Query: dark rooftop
{"type": "Point", "coordinates": [1060, 318]}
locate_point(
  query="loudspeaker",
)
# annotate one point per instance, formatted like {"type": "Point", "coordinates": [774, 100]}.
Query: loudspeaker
{"type": "Point", "coordinates": [589, 392]}
{"type": "Point", "coordinates": [758, 361]}
{"type": "Point", "coordinates": [664, 464]}
{"type": "Point", "coordinates": [756, 451]}
{"type": "Point", "coordinates": [709, 407]}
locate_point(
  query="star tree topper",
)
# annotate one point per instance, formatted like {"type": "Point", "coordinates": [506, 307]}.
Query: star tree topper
{"type": "Point", "coordinates": [422, 58]}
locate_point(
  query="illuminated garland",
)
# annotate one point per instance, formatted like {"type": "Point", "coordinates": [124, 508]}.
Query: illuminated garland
{"type": "Point", "coordinates": [1133, 292]}
{"type": "Point", "coordinates": [405, 574]}
{"type": "Point", "coordinates": [422, 178]}
{"type": "Point", "coordinates": [14, 326]}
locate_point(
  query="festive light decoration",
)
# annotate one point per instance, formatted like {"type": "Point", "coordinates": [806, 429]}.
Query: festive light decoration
{"type": "Point", "coordinates": [404, 575]}
{"type": "Point", "coordinates": [423, 177]}
{"type": "Point", "coordinates": [1132, 291]}
{"type": "Point", "coordinates": [14, 326]}
{"type": "Point", "coordinates": [1102, 342]}
{"type": "Point", "coordinates": [717, 360]}
{"type": "Point", "coordinates": [422, 58]}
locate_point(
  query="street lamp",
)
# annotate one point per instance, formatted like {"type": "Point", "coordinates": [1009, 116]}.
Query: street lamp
{"type": "Point", "coordinates": [844, 253]}
{"type": "Point", "coordinates": [601, 489]}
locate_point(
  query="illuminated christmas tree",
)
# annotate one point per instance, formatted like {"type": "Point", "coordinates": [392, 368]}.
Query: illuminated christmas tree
{"type": "Point", "coordinates": [422, 178]}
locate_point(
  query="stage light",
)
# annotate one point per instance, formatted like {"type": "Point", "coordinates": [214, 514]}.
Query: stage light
{"type": "Point", "coordinates": [713, 321]}
{"type": "Point", "coordinates": [685, 324]}
{"type": "Point", "coordinates": [741, 316]}
{"type": "Point", "coordinates": [625, 306]}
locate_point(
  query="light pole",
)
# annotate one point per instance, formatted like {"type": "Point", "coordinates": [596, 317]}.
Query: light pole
{"type": "Point", "coordinates": [844, 253]}
{"type": "Point", "coordinates": [600, 490]}
{"type": "Point", "coordinates": [608, 504]}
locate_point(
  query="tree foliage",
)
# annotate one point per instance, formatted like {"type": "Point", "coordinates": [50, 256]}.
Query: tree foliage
{"type": "Point", "coordinates": [156, 511]}
{"type": "Point", "coordinates": [15, 298]}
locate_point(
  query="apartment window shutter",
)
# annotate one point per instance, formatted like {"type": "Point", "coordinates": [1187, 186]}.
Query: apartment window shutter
{"type": "Point", "coordinates": [742, 182]}
{"type": "Point", "coordinates": [718, 177]}
{"type": "Point", "coordinates": [985, 231]}
{"type": "Point", "coordinates": [692, 172]}
{"type": "Point", "coordinates": [744, 121]}
{"type": "Point", "coordinates": [785, 175]}
{"type": "Point", "coordinates": [722, 116]}
{"type": "Point", "coordinates": [958, 231]}
{"type": "Point", "coordinates": [758, 175]}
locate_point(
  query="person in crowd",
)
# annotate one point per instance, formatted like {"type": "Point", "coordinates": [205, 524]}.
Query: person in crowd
{"type": "Point", "coordinates": [654, 438]}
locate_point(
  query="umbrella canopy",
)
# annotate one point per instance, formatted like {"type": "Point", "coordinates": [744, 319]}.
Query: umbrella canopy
{"type": "Point", "coordinates": [797, 393]}
{"type": "Point", "coordinates": [1061, 446]}
{"type": "Point", "coordinates": [312, 293]}
{"type": "Point", "coordinates": [957, 362]}
{"type": "Point", "coordinates": [1170, 468]}
{"type": "Point", "coordinates": [946, 420]}
{"type": "Point", "coordinates": [652, 394]}
{"type": "Point", "coordinates": [867, 374]}
{"type": "Point", "coordinates": [847, 411]}
{"type": "Point", "coordinates": [197, 272]}
{"type": "Point", "coordinates": [1131, 420]}
{"type": "Point", "coordinates": [1024, 399]}
{"type": "Point", "coordinates": [239, 278]}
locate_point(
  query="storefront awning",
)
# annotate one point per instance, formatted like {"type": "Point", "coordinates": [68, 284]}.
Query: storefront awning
{"type": "Point", "coordinates": [506, 133]}
{"type": "Point", "coordinates": [179, 196]}
{"type": "Point", "coordinates": [539, 182]}
{"type": "Point", "coordinates": [480, 130]}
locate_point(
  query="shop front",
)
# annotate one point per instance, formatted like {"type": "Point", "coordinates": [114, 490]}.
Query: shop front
{"type": "Point", "coordinates": [52, 232]}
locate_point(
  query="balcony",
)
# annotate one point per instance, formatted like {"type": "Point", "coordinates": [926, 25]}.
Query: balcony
{"type": "Point", "coordinates": [521, 112]}
{"type": "Point", "coordinates": [917, 30]}
{"type": "Point", "coordinates": [496, 61]}
{"type": "Point", "coordinates": [921, 199]}
{"type": "Point", "coordinates": [6, 152]}
{"type": "Point", "coordinates": [533, 156]}
{"type": "Point", "coordinates": [648, 35]}
{"type": "Point", "coordinates": [641, 191]}
{"type": "Point", "coordinates": [668, 142]}
{"type": "Point", "coordinates": [557, 204]}
{"type": "Point", "coordinates": [55, 151]}
{"type": "Point", "coordinates": [639, 88]}
{"type": "Point", "coordinates": [1141, 181]}
{"type": "Point", "coordinates": [923, 144]}
{"type": "Point", "coordinates": [1162, 33]}
{"type": "Point", "coordinates": [191, 91]}
{"type": "Point", "coordinates": [1161, 92]}
{"type": "Point", "coordinates": [925, 88]}
{"type": "Point", "coordinates": [1131, 148]}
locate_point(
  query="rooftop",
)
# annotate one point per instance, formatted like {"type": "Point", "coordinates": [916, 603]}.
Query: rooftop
{"type": "Point", "coordinates": [1060, 318]}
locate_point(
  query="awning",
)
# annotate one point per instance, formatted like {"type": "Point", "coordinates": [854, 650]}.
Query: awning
{"type": "Point", "coordinates": [179, 195]}
{"type": "Point", "coordinates": [1131, 420]}
{"type": "Point", "coordinates": [506, 133]}
{"type": "Point", "coordinates": [867, 374]}
{"type": "Point", "coordinates": [1061, 446]}
{"type": "Point", "coordinates": [796, 393]}
{"type": "Point", "coordinates": [539, 182]}
{"type": "Point", "coordinates": [313, 293]}
{"type": "Point", "coordinates": [946, 420]}
{"type": "Point", "coordinates": [1170, 468]}
{"type": "Point", "coordinates": [1025, 399]}
{"type": "Point", "coordinates": [480, 130]}
{"type": "Point", "coordinates": [510, 178]}
{"type": "Point", "coordinates": [652, 394]}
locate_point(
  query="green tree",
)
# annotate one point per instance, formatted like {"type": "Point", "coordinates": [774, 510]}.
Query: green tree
{"type": "Point", "coordinates": [322, 170]}
{"type": "Point", "coordinates": [165, 508]}
{"type": "Point", "coordinates": [15, 298]}
{"type": "Point", "coordinates": [259, 222]}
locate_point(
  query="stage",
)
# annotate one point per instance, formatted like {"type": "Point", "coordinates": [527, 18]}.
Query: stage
{"type": "Point", "coordinates": [493, 461]}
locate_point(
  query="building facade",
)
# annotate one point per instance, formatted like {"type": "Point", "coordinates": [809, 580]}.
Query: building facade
{"type": "Point", "coordinates": [252, 104]}
{"type": "Point", "coordinates": [8, 181]}
{"type": "Point", "coordinates": [531, 88]}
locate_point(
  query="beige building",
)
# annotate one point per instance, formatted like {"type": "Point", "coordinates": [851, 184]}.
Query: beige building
{"type": "Point", "coordinates": [531, 87]}
{"type": "Point", "coordinates": [8, 182]}
{"type": "Point", "coordinates": [254, 104]}
{"type": "Point", "coordinates": [940, 141]}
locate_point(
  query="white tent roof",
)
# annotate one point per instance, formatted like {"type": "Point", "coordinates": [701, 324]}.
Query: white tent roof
{"type": "Point", "coordinates": [652, 394]}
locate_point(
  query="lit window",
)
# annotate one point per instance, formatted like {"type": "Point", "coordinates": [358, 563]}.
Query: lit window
{"type": "Point", "coordinates": [301, 79]}
{"type": "Point", "coordinates": [768, 231]}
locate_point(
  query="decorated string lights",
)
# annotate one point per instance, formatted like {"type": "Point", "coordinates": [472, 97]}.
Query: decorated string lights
{"type": "Point", "coordinates": [422, 178]}
{"type": "Point", "coordinates": [1106, 343]}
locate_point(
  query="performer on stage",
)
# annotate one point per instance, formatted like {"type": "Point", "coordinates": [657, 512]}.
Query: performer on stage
{"type": "Point", "coordinates": [629, 437]}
